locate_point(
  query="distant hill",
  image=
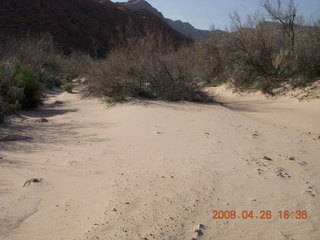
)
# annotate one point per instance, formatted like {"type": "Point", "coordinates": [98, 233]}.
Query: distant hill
{"type": "Point", "coordinates": [185, 28]}
{"type": "Point", "coordinates": [188, 30]}
{"type": "Point", "coordinates": [85, 25]}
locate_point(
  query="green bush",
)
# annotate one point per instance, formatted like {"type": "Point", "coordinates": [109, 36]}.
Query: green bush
{"type": "Point", "coordinates": [28, 81]}
{"type": "Point", "coordinates": [49, 81]}
{"type": "Point", "coordinates": [68, 87]}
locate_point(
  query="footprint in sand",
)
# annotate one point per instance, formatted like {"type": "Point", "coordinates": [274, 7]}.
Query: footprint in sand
{"type": "Point", "coordinates": [260, 171]}
{"type": "Point", "coordinates": [282, 173]}
{"type": "Point", "coordinates": [316, 138]}
{"type": "Point", "coordinates": [311, 190]}
{"type": "Point", "coordinates": [257, 162]}
{"type": "Point", "coordinates": [255, 134]}
{"type": "Point", "coordinates": [73, 163]}
{"type": "Point", "coordinates": [287, 236]}
{"type": "Point", "coordinates": [303, 163]}
{"type": "Point", "coordinates": [293, 159]}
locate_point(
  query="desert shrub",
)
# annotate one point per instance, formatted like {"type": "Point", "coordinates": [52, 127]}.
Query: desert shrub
{"type": "Point", "coordinates": [3, 109]}
{"type": "Point", "coordinates": [308, 50]}
{"type": "Point", "coordinates": [19, 87]}
{"type": "Point", "coordinates": [27, 80]}
{"type": "Point", "coordinates": [49, 81]}
{"type": "Point", "coordinates": [44, 57]}
{"type": "Point", "coordinates": [265, 50]}
{"type": "Point", "coordinates": [145, 67]}
{"type": "Point", "coordinates": [68, 87]}
{"type": "Point", "coordinates": [27, 65]}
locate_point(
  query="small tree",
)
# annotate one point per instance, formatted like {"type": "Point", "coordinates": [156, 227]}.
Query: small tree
{"type": "Point", "coordinates": [286, 13]}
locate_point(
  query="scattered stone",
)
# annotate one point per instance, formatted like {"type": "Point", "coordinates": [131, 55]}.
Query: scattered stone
{"type": "Point", "coordinates": [127, 203]}
{"type": "Point", "coordinates": [32, 180]}
{"type": "Point", "coordinates": [310, 193]}
{"type": "Point", "coordinates": [198, 232]}
{"type": "Point", "coordinates": [282, 173]}
{"type": "Point", "coordinates": [58, 103]}
{"type": "Point", "coordinates": [201, 226]}
{"type": "Point", "coordinates": [255, 134]}
{"type": "Point", "coordinates": [41, 120]}
{"type": "Point", "coordinates": [266, 158]}
{"type": "Point", "coordinates": [114, 210]}
{"type": "Point", "coordinates": [292, 158]}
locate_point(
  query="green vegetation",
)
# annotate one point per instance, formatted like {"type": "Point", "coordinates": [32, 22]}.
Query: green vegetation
{"type": "Point", "coordinates": [29, 65]}
{"type": "Point", "coordinates": [68, 87]}
{"type": "Point", "coordinates": [19, 88]}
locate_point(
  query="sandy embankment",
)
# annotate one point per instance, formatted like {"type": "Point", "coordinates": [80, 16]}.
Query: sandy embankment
{"type": "Point", "coordinates": [155, 170]}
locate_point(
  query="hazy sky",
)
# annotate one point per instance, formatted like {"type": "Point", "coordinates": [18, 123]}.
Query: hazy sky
{"type": "Point", "coordinates": [203, 14]}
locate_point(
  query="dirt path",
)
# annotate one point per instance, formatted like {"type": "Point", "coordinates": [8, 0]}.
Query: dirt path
{"type": "Point", "coordinates": [156, 170]}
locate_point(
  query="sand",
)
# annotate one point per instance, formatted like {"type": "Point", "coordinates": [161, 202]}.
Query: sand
{"type": "Point", "coordinates": [156, 170]}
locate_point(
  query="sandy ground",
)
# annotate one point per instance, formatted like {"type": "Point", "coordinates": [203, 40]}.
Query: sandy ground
{"type": "Point", "coordinates": [156, 170]}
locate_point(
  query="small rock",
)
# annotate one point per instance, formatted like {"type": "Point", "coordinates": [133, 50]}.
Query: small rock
{"type": "Point", "coordinates": [201, 226]}
{"type": "Point", "coordinates": [41, 120]}
{"type": "Point", "coordinates": [127, 203]}
{"type": "Point", "coordinates": [58, 103]}
{"type": "Point", "coordinates": [255, 134]}
{"type": "Point", "coordinates": [198, 232]}
{"type": "Point", "coordinates": [291, 158]}
{"type": "Point", "coordinates": [266, 158]}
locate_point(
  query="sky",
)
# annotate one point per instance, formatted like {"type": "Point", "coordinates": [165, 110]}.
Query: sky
{"type": "Point", "coordinates": [203, 14]}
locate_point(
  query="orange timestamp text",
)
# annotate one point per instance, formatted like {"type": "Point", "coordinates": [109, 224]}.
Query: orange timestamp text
{"type": "Point", "coordinates": [263, 214]}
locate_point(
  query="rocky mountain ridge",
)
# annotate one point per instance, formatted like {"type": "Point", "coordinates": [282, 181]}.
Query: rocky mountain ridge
{"type": "Point", "coordinates": [183, 27]}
